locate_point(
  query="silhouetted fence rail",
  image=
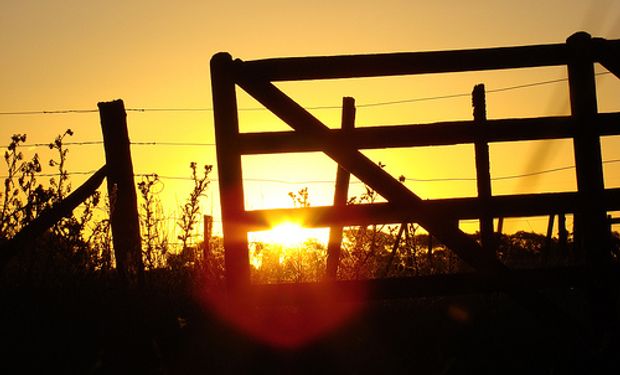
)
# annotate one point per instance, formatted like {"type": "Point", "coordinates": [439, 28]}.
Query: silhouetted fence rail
{"type": "Point", "coordinates": [49, 217]}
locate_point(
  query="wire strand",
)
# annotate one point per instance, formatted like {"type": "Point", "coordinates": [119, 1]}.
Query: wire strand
{"type": "Point", "coordinates": [500, 178]}
{"type": "Point", "coordinates": [155, 143]}
{"type": "Point", "coordinates": [52, 112]}
{"type": "Point", "coordinates": [77, 143]}
{"type": "Point", "coordinates": [364, 105]}
{"type": "Point", "coordinates": [288, 182]}
{"type": "Point", "coordinates": [139, 143]}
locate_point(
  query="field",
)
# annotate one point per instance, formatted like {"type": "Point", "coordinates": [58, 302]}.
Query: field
{"type": "Point", "coordinates": [91, 327]}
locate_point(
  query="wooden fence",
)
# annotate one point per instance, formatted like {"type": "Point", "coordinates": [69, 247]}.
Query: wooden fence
{"type": "Point", "coordinates": [590, 203]}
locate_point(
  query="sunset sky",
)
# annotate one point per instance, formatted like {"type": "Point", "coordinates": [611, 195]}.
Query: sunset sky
{"type": "Point", "coordinates": [155, 55]}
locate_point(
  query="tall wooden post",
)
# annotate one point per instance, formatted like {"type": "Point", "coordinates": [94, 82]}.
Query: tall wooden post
{"type": "Point", "coordinates": [236, 256]}
{"type": "Point", "coordinates": [483, 174]}
{"type": "Point", "coordinates": [341, 194]}
{"type": "Point", "coordinates": [122, 192]}
{"type": "Point", "coordinates": [592, 235]}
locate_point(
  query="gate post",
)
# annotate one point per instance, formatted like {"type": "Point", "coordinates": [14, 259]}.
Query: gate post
{"type": "Point", "coordinates": [587, 148]}
{"type": "Point", "coordinates": [236, 255]}
{"type": "Point", "coordinates": [592, 234]}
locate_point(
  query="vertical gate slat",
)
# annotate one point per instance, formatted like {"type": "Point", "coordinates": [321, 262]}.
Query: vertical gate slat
{"type": "Point", "coordinates": [483, 173]}
{"type": "Point", "coordinates": [340, 194]}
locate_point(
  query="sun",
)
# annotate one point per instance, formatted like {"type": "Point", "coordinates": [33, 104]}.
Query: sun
{"type": "Point", "coordinates": [289, 234]}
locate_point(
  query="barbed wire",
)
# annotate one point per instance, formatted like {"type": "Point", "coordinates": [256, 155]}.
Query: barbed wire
{"type": "Point", "coordinates": [75, 143]}
{"type": "Point", "coordinates": [363, 105]}
{"type": "Point", "coordinates": [136, 143]}
{"type": "Point", "coordinates": [184, 144]}
{"type": "Point", "coordinates": [48, 112]}
{"type": "Point", "coordinates": [289, 182]}
{"type": "Point", "coordinates": [57, 174]}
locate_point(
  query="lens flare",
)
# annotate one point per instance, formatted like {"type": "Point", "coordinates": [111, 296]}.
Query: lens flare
{"type": "Point", "coordinates": [288, 316]}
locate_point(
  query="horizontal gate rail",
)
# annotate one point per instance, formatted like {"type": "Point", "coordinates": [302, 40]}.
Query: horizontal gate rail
{"type": "Point", "coordinates": [435, 134]}
{"type": "Point", "coordinates": [506, 206]}
{"type": "Point", "coordinates": [409, 63]}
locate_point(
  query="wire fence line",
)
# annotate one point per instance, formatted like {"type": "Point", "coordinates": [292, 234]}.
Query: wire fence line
{"type": "Point", "coordinates": [320, 107]}
{"type": "Point", "coordinates": [136, 143]}
{"type": "Point", "coordinates": [289, 182]}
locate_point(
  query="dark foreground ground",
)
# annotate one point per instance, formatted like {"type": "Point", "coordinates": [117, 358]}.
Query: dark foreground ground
{"type": "Point", "coordinates": [89, 329]}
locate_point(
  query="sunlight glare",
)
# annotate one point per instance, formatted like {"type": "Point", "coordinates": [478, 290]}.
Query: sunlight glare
{"type": "Point", "coordinates": [290, 234]}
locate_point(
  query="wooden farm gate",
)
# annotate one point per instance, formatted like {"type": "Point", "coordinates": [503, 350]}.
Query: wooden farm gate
{"type": "Point", "coordinates": [584, 126]}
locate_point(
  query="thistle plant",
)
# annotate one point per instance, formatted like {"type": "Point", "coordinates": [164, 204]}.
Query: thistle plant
{"type": "Point", "coordinates": [190, 211]}
{"type": "Point", "coordinates": [154, 239]}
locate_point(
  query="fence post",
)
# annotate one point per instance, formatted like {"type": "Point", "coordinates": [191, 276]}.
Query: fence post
{"type": "Point", "coordinates": [206, 249]}
{"type": "Point", "coordinates": [591, 235]}
{"type": "Point", "coordinates": [429, 252]}
{"type": "Point", "coordinates": [340, 194]}
{"type": "Point", "coordinates": [122, 192]}
{"type": "Point", "coordinates": [483, 174]}
{"type": "Point", "coordinates": [550, 224]}
{"type": "Point", "coordinates": [562, 234]}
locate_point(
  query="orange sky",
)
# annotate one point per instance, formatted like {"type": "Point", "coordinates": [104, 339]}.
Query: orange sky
{"type": "Point", "coordinates": [155, 54]}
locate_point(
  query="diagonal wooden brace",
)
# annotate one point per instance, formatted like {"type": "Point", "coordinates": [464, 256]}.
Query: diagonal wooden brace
{"type": "Point", "coordinates": [363, 168]}
{"type": "Point", "coordinates": [608, 54]}
{"type": "Point", "coordinates": [49, 217]}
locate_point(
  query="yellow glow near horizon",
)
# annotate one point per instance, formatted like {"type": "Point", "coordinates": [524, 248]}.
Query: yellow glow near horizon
{"type": "Point", "coordinates": [287, 239]}
{"type": "Point", "coordinates": [166, 48]}
{"type": "Point", "coordinates": [289, 235]}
